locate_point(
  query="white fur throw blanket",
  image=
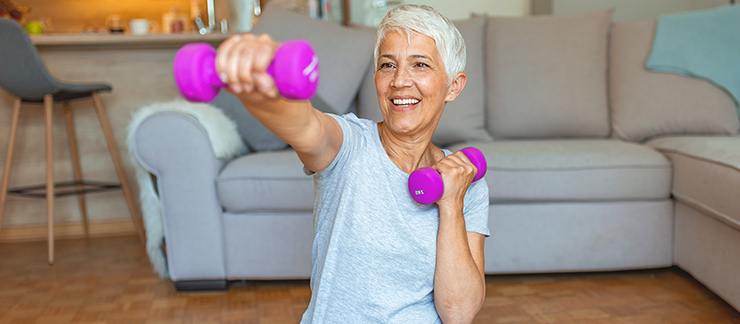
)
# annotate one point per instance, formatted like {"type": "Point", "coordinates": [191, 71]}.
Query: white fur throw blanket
{"type": "Point", "coordinates": [226, 141]}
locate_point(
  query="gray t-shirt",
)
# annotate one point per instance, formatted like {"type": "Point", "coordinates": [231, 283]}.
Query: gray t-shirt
{"type": "Point", "coordinates": [374, 250]}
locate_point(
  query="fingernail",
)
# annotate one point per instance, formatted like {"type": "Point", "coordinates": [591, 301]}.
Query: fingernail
{"type": "Point", "coordinates": [236, 88]}
{"type": "Point", "coordinates": [274, 94]}
{"type": "Point", "coordinates": [266, 83]}
{"type": "Point", "coordinates": [223, 77]}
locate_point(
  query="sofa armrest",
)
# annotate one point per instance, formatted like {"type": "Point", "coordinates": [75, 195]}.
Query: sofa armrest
{"type": "Point", "coordinates": [176, 148]}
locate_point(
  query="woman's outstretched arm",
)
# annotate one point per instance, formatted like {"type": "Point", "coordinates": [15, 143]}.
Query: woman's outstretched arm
{"type": "Point", "coordinates": [242, 62]}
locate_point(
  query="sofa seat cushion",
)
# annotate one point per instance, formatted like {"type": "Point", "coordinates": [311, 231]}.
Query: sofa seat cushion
{"type": "Point", "coordinates": [574, 170]}
{"type": "Point", "coordinates": [263, 181]}
{"type": "Point", "coordinates": [706, 173]}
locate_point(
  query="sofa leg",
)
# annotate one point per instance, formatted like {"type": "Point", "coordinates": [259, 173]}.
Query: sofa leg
{"type": "Point", "coordinates": [201, 285]}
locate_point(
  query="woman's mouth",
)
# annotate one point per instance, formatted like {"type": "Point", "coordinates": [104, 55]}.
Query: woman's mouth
{"type": "Point", "coordinates": [404, 103]}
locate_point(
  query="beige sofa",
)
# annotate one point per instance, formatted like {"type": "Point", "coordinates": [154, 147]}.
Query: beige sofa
{"type": "Point", "coordinates": [594, 163]}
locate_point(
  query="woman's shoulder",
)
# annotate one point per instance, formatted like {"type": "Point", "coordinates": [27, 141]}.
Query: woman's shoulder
{"type": "Point", "coordinates": [355, 125]}
{"type": "Point", "coordinates": [361, 122]}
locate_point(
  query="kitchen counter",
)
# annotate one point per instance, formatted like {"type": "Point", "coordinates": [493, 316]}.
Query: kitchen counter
{"type": "Point", "coordinates": [82, 40]}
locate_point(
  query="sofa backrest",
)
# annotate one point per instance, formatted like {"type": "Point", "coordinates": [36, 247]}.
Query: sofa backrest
{"type": "Point", "coordinates": [647, 104]}
{"type": "Point", "coordinates": [528, 77]}
{"type": "Point", "coordinates": [546, 76]}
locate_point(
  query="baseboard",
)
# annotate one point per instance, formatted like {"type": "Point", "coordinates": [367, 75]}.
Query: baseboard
{"type": "Point", "coordinates": [71, 230]}
{"type": "Point", "coordinates": [200, 285]}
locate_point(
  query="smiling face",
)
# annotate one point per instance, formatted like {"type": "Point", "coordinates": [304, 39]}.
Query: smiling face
{"type": "Point", "coordinates": [412, 83]}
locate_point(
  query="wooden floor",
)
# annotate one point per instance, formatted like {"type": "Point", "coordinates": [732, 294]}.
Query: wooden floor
{"type": "Point", "coordinates": [109, 280]}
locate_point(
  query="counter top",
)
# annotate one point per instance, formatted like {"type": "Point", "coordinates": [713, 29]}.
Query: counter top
{"type": "Point", "coordinates": [124, 40]}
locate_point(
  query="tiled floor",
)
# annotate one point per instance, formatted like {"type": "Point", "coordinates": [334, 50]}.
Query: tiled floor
{"type": "Point", "coordinates": [109, 280]}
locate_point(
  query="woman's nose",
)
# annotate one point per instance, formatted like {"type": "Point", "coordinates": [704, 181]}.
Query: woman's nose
{"type": "Point", "coordinates": [401, 79]}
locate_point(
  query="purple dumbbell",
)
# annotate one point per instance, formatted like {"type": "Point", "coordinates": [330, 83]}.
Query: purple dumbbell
{"type": "Point", "coordinates": [295, 69]}
{"type": "Point", "coordinates": [426, 186]}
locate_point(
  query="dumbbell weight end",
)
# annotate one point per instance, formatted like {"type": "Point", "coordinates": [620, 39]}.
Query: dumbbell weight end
{"type": "Point", "coordinates": [426, 186]}
{"type": "Point", "coordinates": [195, 72]}
{"type": "Point", "coordinates": [478, 159]}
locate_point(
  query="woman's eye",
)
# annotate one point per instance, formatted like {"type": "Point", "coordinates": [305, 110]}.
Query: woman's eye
{"type": "Point", "coordinates": [386, 65]}
{"type": "Point", "coordinates": [422, 65]}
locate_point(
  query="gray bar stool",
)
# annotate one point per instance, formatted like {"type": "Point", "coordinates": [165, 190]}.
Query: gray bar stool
{"type": "Point", "coordinates": [23, 74]}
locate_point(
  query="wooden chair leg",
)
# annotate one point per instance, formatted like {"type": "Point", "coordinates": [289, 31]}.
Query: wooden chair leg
{"type": "Point", "coordinates": [9, 157]}
{"type": "Point", "coordinates": [119, 166]}
{"type": "Point", "coordinates": [74, 152]}
{"type": "Point", "coordinates": [48, 108]}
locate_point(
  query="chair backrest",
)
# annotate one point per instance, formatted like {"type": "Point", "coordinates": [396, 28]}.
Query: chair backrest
{"type": "Point", "coordinates": [22, 73]}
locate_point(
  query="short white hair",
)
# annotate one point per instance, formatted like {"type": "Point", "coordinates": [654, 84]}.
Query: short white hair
{"type": "Point", "coordinates": [427, 21]}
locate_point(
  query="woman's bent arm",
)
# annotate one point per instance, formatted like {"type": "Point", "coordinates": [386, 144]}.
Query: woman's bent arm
{"type": "Point", "coordinates": [459, 279]}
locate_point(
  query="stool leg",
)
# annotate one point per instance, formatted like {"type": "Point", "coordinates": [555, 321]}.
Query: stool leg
{"type": "Point", "coordinates": [119, 166]}
{"type": "Point", "coordinates": [9, 157]}
{"type": "Point", "coordinates": [48, 106]}
{"type": "Point", "coordinates": [76, 164]}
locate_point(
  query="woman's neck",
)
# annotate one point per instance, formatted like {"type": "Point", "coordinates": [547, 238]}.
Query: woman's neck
{"type": "Point", "coordinates": [409, 152]}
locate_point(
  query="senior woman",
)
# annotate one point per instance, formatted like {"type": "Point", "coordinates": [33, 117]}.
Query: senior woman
{"type": "Point", "coordinates": [378, 256]}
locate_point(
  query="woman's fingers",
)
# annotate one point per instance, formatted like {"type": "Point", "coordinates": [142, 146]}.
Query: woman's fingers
{"type": "Point", "coordinates": [456, 164]}
{"type": "Point", "coordinates": [265, 52]}
{"type": "Point", "coordinates": [242, 62]}
{"type": "Point", "coordinates": [266, 86]}
{"type": "Point", "coordinates": [223, 57]}
{"type": "Point", "coordinates": [457, 173]}
{"type": "Point", "coordinates": [263, 57]}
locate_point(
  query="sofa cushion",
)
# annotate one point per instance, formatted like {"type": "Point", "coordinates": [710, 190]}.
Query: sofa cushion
{"type": "Point", "coordinates": [574, 170]}
{"type": "Point", "coordinates": [645, 104]}
{"type": "Point", "coordinates": [367, 98]}
{"type": "Point", "coordinates": [546, 76]}
{"type": "Point", "coordinates": [706, 173]}
{"type": "Point", "coordinates": [265, 181]}
{"type": "Point", "coordinates": [463, 119]}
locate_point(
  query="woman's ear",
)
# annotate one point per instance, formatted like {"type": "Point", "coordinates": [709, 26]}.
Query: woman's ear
{"type": "Point", "coordinates": [456, 87]}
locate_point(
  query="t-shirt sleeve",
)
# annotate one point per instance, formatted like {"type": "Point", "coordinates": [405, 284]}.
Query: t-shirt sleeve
{"type": "Point", "coordinates": [475, 209]}
{"type": "Point", "coordinates": [350, 139]}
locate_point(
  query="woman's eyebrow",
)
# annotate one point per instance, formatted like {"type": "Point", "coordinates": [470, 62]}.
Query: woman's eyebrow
{"type": "Point", "coordinates": [420, 56]}
{"type": "Point", "coordinates": [412, 57]}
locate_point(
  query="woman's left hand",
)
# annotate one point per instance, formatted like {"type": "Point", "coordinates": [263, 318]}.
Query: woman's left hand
{"type": "Point", "coordinates": [457, 174]}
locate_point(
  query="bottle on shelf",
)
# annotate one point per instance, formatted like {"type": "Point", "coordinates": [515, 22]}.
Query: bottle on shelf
{"type": "Point", "coordinates": [313, 9]}
{"type": "Point", "coordinates": [174, 23]}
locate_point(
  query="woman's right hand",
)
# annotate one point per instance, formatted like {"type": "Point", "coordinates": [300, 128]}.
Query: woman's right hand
{"type": "Point", "coordinates": [242, 62]}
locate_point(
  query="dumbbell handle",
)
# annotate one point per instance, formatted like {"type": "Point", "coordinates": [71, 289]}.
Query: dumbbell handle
{"type": "Point", "coordinates": [426, 185]}
{"type": "Point", "coordinates": [295, 69]}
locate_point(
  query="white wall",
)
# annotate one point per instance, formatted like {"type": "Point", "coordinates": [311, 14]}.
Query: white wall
{"type": "Point", "coordinates": [633, 10]}
{"type": "Point", "coordinates": [454, 9]}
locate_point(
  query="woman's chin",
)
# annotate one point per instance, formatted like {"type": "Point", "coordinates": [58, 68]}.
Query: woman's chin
{"type": "Point", "coordinates": [406, 120]}
{"type": "Point", "coordinates": [402, 126]}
